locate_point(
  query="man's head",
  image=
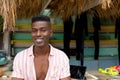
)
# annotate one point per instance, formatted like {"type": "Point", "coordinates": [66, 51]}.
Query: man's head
{"type": "Point", "coordinates": [41, 30]}
{"type": "Point", "coordinates": [41, 18]}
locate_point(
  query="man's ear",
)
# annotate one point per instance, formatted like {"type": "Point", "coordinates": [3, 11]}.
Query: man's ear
{"type": "Point", "coordinates": [51, 33]}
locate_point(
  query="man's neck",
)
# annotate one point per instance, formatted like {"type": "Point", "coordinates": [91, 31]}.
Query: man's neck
{"type": "Point", "coordinates": [41, 51]}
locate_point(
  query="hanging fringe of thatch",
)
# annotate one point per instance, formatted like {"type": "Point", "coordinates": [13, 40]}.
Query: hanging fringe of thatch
{"type": "Point", "coordinates": [7, 11]}
{"type": "Point", "coordinates": [65, 8]}
{"type": "Point", "coordinates": [29, 8]}
{"type": "Point", "coordinates": [58, 8]}
{"type": "Point", "coordinates": [108, 10]}
{"type": "Point", "coordinates": [103, 8]}
{"type": "Point", "coordinates": [17, 9]}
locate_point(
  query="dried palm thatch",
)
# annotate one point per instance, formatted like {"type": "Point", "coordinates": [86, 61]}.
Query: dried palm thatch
{"type": "Point", "coordinates": [11, 10]}
{"type": "Point", "coordinates": [16, 9]}
{"type": "Point", "coordinates": [111, 10]}
{"type": "Point", "coordinates": [7, 11]}
{"type": "Point", "coordinates": [103, 8]}
{"type": "Point", "coordinates": [29, 8]}
{"type": "Point", "coordinates": [65, 8]}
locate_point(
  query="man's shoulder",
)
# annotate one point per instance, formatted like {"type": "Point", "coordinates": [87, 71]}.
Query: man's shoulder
{"type": "Point", "coordinates": [24, 51]}
{"type": "Point", "coordinates": [58, 52]}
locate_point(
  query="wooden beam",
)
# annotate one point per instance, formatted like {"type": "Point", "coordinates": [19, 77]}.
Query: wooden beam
{"type": "Point", "coordinates": [45, 4]}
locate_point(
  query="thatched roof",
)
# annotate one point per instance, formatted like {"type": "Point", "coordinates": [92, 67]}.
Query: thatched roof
{"type": "Point", "coordinates": [28, 8]}
{"type": "Point", "coordinates": [17, 9]}
{"type": "Point", "coordinates": [103, 8]}
{"type": "Point", "coordinates": [8, 13]}
{"type": "Point", "coordinates": [112, 9]}
{"type": "Point", "coordinates": [12, 10]}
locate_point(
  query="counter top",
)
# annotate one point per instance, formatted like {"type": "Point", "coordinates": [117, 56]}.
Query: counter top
{"type": "Point", "coordinates": [90, 75]}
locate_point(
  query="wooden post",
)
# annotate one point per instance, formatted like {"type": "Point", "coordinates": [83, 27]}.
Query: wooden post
{"type": "Point", "coordinates": [6, 44]}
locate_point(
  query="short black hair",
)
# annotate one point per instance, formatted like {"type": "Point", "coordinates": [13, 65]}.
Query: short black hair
{"type": "Point", "coordinates": [41, 18]}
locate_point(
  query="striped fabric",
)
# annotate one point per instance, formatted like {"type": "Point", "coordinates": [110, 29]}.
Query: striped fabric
{"type": "Point", "coordinates": [23, 65]}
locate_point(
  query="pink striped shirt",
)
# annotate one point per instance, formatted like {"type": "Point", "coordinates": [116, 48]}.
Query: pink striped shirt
{"type": "Point", "coordinates": [23, 65]}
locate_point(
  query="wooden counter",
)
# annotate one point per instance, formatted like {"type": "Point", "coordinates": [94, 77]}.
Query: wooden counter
{"type": "Point", "coordinates": [100, 76]}
{"type": "Point", "coordinates": [90, 75]}
{"type": "Point", "coordinates": [94, 74]}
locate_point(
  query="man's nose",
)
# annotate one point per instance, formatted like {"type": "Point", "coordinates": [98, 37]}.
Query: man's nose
{"type": "Point", "coordinates": [38, 33]}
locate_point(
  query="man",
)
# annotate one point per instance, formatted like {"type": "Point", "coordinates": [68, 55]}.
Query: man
{"type": "Point", "coordinates": [41, 61]}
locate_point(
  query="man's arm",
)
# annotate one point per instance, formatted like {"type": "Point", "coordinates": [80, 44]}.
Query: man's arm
{"type": "Point", "coordinates": [18, 78]}
{"type": "Point", "coordinates": [67, 78]}
{"type": "Point", "coordinates": [65, 69]}
{"type": "Point", "coordinates": [17, 73]}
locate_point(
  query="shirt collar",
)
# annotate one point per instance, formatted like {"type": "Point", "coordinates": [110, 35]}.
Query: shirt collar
{"type": "Point", "coordinates": [51, 50]}
{"type": "Point", "coordinates": [31, 50]}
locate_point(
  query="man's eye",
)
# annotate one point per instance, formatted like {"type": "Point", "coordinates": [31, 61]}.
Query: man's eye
{"type": "Point", "coordinates": [33, 30]}
{"type": "Point", "coordinates": [43, 30]}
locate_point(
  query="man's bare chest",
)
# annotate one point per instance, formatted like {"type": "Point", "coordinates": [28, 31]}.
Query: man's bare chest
{"type": "Point", "coordinates": [41, 68]}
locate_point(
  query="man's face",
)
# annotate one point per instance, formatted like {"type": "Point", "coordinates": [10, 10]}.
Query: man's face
{"type": "Point", "coordinates": [41, 33]}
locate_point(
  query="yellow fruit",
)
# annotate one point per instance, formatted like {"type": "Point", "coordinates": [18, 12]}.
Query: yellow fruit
{"type": "Point", "coordinates": [102, 71]}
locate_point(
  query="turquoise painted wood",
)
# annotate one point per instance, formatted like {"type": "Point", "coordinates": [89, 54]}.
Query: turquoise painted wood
{"type": "Point", "coordinates": [27, 36]}
{"type": "Point", "coordinates": [59, 36]}
{"type": "Point", "coordinates": [102, 51]}
{"type": "Point", "coordinates": [21, 36]}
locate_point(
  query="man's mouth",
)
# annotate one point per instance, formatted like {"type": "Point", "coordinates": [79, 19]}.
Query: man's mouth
{"type": "Point", "coordinates": [39, 40]}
